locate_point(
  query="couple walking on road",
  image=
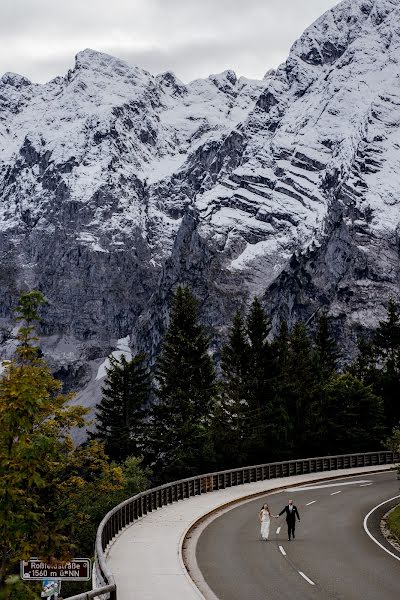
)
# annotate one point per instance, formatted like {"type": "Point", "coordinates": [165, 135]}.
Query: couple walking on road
{"type": "Point", "coordinates": [291, 514]}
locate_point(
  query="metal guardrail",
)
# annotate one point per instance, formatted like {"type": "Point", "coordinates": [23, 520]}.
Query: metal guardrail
{"type": "Point", "coordinates": [135, 508]}
{"type": "Point", "coordinates": [106, 591]}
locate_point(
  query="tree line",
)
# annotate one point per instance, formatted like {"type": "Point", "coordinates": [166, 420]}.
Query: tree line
{"type": "Point", "coordinates": [270, 398]}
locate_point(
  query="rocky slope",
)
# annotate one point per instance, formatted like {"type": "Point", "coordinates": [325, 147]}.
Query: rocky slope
{"type": "Point", "coordinates": [116, 185]}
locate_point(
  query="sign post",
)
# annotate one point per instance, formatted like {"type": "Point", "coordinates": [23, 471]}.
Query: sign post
{"type": "Point", "coordinates": [76, 569]}
{"type": "Point", "coordinates": [51, 589]}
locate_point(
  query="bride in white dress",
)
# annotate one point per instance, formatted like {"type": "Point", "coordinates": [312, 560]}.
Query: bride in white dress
{"type": "Point", "coordinates": [265, 520]}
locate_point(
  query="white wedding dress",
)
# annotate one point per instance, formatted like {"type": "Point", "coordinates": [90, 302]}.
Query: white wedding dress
{"type": "Point", "coordinates": [265, 524]}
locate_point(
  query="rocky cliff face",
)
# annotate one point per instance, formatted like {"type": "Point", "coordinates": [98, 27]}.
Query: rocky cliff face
{"type": "Point", "coordinates": [116, 185]}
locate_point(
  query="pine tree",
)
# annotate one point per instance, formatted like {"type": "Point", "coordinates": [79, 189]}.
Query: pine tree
{"type": "Point", "coordinates": [27, 314]}
{"type": "Point", "coordinates": [280, 347]}
{"type": "Point", "coordinates": [378, 365]}
{"type": "Point", "coordinates": [387, 345]}
{"type": "Point", "coordinates": [326, 349]}
{"type": "Point", "coordinates": [235, 358]}
{"type": "Point", "coordinates": [258, 327]}
{"type": "Point", "coordinates": [229, 422]}
{"type": "Point", "coordinates": [353, 418]}
{"type": "Point", "coordinates": [387, 337]}
{"type": "Point", "coordinates": [122, 413]}
{"type": "Point", "coordinates": [266, 420]}
{"type": "Point", "coordinates": [186, 391]}
{"type": "Point", "coordinates": [365, 365]}
{"type": "Point", "coordinates": [298, 390]}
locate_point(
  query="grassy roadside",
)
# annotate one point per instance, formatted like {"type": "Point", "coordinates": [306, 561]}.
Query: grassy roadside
{"type": "Point", "coordinates": [393, 523]}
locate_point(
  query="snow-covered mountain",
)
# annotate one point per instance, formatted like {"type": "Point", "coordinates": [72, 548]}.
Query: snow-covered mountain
{"type": "Point", "coordinates": [116, 185]}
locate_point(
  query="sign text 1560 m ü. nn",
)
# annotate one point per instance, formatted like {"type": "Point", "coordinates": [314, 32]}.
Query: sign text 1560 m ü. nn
{"type": "Point", "coordinates": [77, 569]}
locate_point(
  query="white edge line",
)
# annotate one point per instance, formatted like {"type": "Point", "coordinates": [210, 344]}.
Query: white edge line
{"type": "Point", "coordinates": [278, 530]}
{"type": "Point", "coordinates": [306, 578]}
{"type": "Point", "coordinates": [282, 549]}
{"type": "Point", "coordinates": [334, 493]}
{"type": "Point", "coordinates": [312, 502]}
{"type": "Point", "coordinates": [367, 531]}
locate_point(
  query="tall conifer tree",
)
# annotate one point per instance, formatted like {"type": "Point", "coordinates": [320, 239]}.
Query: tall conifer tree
{"type": "Point", "coordinates": [297, 389]}
{"type": "Point", "coordinates": [378, 365]}
{"type": "Point", "coordinates": [186, 393]}
{"type": "Point", "coordinates": [121, 414]}
{"type": "Point", "coordinates": [387, 345]}
{"type": "Point", "coordinates": [258, 327]}
{"type": "Point", "coordinates": [326, 349]}
{"type": "Point", "coordinates": [364, 367]}
{"type": "Point", "coordinates": [387, 336]}
{"type": "Point", "coordinates": [230, 419]}
{"type": "Point", "coordinates": [352, 418]}
{"type": "Point", "coordinates": [266, 416]}
{"type": "Point", "coordinates": [280, 346]}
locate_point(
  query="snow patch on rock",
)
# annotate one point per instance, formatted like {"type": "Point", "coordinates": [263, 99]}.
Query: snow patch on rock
{"type": "Point", "coordinates": [123, 349]}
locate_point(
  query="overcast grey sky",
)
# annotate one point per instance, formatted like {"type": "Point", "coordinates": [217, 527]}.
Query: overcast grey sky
{"type": "Point", "coordinates": [193, 38]}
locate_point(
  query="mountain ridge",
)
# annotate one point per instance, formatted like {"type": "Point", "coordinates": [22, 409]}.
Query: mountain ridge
{"type": "Point", "coordinates": [133, 183]}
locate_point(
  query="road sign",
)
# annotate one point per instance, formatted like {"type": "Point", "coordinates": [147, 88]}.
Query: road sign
{"type": "Point", "coordinates": [76, 569]}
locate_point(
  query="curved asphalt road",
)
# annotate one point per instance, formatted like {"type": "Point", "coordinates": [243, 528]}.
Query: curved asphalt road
{"type": "Point", "coordinates": [331, 547]}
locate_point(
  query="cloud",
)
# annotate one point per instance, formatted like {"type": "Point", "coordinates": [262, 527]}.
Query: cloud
{"type": "Point", "coordinates": [38, 38]}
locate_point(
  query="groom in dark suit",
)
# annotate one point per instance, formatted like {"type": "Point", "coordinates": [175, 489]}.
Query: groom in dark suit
{"type": "Point", "coordinates": [291, 514]}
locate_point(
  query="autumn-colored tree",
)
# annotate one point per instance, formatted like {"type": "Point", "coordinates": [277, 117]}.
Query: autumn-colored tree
{"type": "Point", "coordinates": [42, 474]}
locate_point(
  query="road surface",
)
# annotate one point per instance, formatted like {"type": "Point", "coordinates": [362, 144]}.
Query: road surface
{"type": "Point", "coordinates": [331, 558]}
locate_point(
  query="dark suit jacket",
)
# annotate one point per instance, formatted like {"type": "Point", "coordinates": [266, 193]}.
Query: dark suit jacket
{"type": "Point", "coordinates": [290, 516]}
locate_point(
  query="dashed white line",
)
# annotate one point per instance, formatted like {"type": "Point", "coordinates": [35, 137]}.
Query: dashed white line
{"type": "Point", "coordinates": [370, 534]}
{"type": "Point", "coordinates": [278, 530]}
{"type": "Point", "coordinates": [312, 502]}
{"type": "Point", "coordinates": [283, 552]}
{"type": "Point", "coordinates": [365, 484]}
{"type": "Point", "coordinates": [334, 493]}
{"type": "Point", "coordinates": [306, 578]}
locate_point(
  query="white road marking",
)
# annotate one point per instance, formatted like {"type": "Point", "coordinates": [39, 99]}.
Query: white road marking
{"type": "Point", "coordinates": [306, 578]}
{"type": "Point", "coordinates": [282, 549]}
{"type": "Point", "coordinates": [367, 531]}
{"type": "Point", "coordinates": [365, 484]}
{"type": "Point", "coordinates": [312, 502]}
{"type": "Point", "coordinates": [334, 493]}
{"type": "Point", "coordinates": [278, 530]}
{"type": "Point", "coordinates": [326, 485]}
